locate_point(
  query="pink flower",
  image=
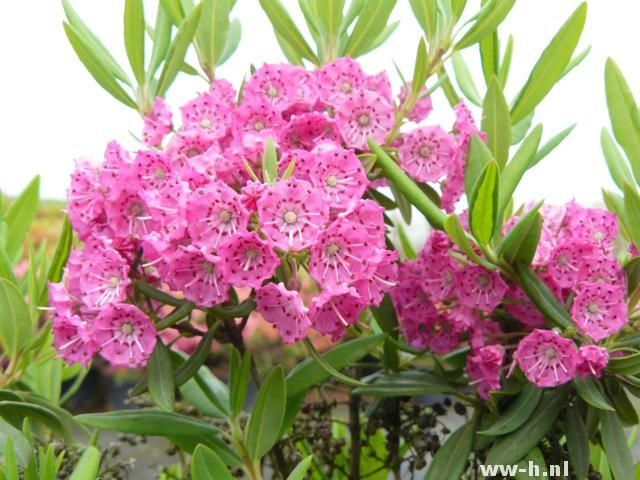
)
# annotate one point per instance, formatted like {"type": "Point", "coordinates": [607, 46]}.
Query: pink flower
{"type": "Point", "coordinates": [128, 214]}
{"type": "Point", "coordinates": [593, 360]}
{"type": "Point", "coordinates": [334, 310]}
{"type": "Point", "coordinates": [257, 116]}
{"type": "Point", "coordinates": [480, 288]}
{"type": "Point", "coordinates": [595, 226]}
{"type": "Point", "coordinates": [73, 339]}
{"type": "Point", "coordinates": [209, 113]}
{"type": "Point", "coordinates": [214, 212]}
{"type": "Point", "coordinates": [188, 144]}
{"type": "Point", "coordinates": [291, 213]}
{"type": "Point", "coordinates": [125, 335]}
{"type": "Point", "coordinates": [342, 255]}
{"type": "Point", "coordinates": [104, 274]}
{"type": "Point", "coordinates": [307, 130]}
{"type": "Point", "coordinates": [251, 193]}
{"type": "Point", "coordinates": [338, 80]}
{"type": "Point", "coordinates": [546, 358]}
{"type": "Point", "coordinates": [426, 153]}
{"type": "Point", "coordinates": [151, 169]}
{"type": "Point", "coordinates": [247, 260]}
{"type": "Point", "coordinates": [423, 106]}
{"type": "Point", "coordinates": [518, 304]}
{"type": "Point", "coordinates": [340, 176]}
{"type": "Point", "coordinates": [165, 206]}
{"type": "Point", "coordinates": [483, 368]}
{"type": "Point", "coordinates": [157, 123]}
{"type": "Point", "coordinates": [284, 309]}
{"type": "Point", "coordinates": [453, 185]}
{"type": "Point", "coordinates": [371, 216]}
{"type": "Point", "coordinates": [566, 262]}
{"type": "Point", "coordinates": [365, 114]}
{"type": "Point", "coordinates": [465, 127]}
{"type": "Point", "coordinates": [276, 84]}
{"type": "Point", "coordinates": [198, 275]}
{"type": "Point", "coordinates": [438, 275]}
{"type": "Point", "coordinates": [601, 268]}
{"type": "Point", "coordinates": [223, 91]}
{"type": "Point", "coordinates": [86, 200]}
{"type": "Point", "coordinates": [384, 278]}
{"type": "Point", "coordinates": [116, 166]}
{"type": "Point", "coordinates": [599, 309]}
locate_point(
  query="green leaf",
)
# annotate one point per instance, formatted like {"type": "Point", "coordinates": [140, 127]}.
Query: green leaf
{"type": "Point", "coordinates": [174, 10]}
{"type": "Point", "coordinates": [94, 43]}
{"type": "Point", "coordinates": [134, 31]}
{"type": "Point", "coordinates": [161, 41]}
{"type": "Point", "coordinates": [148, 421]}
{"type": "Point", "coordinates": [270, 162]}
{"type": "Point", "coordinates": [161, 381]}
{"type": "Point", "coordinates": [615, 446]}
{"type": "Point", "coordinates": [479, 157]}
{"type": "Point", "coordinates": [309, 372]}
{"type": "Point", "coordinates": [178, 50]}
{"type": "Point", "coordinates": [615, 161]}
{"type": "Point", "coordinates": [420, 71]}
{"type": "Point", "coordinates": [21, 445]}
{"type": "Point", "coordinates": [534, 457]}
{"type": "Point", "coordinates": [590, 391]}
{"type": "Point", "coordinates": [61, 253]}
{"type": "Point", "coordinates": [519, 164]}
{"type": "Point", "coordinates": [541, 296]}
{"type": "Point", "coordinates": [426, 12]}
{"type": "Point", "coordinates": [212, 33]}
{"type": "Point", "coordinates": [206, 465]}
{"type": "Point", "coordinates": [624, 115]}
{"type": "Point", "coordinates": [405, 243]}
{"type": "Point", "coordinates": [300, 470]}
{"type": "Point", "coordinates": [15, 321]}
{"type": "Point", "coordinates": [335, 373]}
{"type": "Point", "coordinates": [628, 365]}
{"type": "Point", "coordinates": [207, 393]}
{"type": "Point", "coordinates": [521, 241]}
{"type": "Point", "coordinates": [548, 147]}
{"type": "Point", "coordinates": [330, 13]}
{"type": "Point", "coordinates": [551, 65]}
{"type": "Point", "coordinates": [233, 38]}
{"type": "Point", "coordinates": [19, 218]}
{"type": "Point", "coordinates": [505, 64]}
{"type": "Point", "coordinates": [451, 458]}
{"type": "Point", "coordinates": [632, 212]}
{"type": "Point", "coordinates": [483, 204]}
{"type": "Point", "coordinates": [577, 442]}
{"type": "Point", "coordinates": [88, 466]}
{"type": "Point", "coordinates": [372, 20]}
{"type": "Point", "coordinates": [6, 267]}
{"type": "Point", "coordinates": [496, 123]}
{"type": "Point", "coordinates": [96, 67]}
{"type": "Point", "coordinates": [454, 229]}
{"type": "Point", "coordinates": [464, 79]}
{"type": "Point", "coordinates": [406, 383]}
{"type": "Point", "coordinates": [621, 403]}
{"type": "Point", "coordinates": [577, 60]}
{"type": "Point", "coordinates": [511, 448]}
{"type": "Point", "coordinates": [489, 48]}
{"type": "Point", "coordinates": [486, 24]}
{"type": "Point", "coordinates": [403, 204]}
{"type": "Point", "coordinates": [517, 413]}
{"type": "Point", "coordinates": [267, 414]}
{"type": "Point", "coordinates": [239, 381]}
{"type": "Point", "coordinates": [192, 366]}
{"type": "Point", "coordinates": [20, 410]}
{"type": "Point", "coordinates": [284, 27]}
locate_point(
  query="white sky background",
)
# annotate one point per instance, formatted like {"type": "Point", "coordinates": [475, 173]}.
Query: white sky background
{"type": "Point", "coordinates": [52, 111]}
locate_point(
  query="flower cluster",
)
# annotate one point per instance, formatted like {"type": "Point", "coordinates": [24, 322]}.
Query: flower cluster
{"type": "Point", "coordinates": [195, 214]}
{"type": "Point", "coordinates": [443, 299]}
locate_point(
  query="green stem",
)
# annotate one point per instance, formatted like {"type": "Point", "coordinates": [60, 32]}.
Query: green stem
{"type": "Point", "coordinates": [408, 187]}
{"type": "Point", "coordinates": [330, 369]}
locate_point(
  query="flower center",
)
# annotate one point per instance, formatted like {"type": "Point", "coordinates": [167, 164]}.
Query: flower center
{"type": "Point", "coordinates": [159, 173]}
{"type": "Point", "coordinates": [136, 209]}
{"type": "Point", "coordinates": [258, 125]}
{"type": "Point", "coordinates": [126, 329]}
{"type": "Point", "coordinates": [484, 281]}
{"type": "Point", "coordinates": [346, 87]}
{"type": "Point", "coordinates": [114, 282]}
{"type": "Point", "coordinates": [192, 152]}
{"type": "Point", "coordinates": [225, 215]}
{"type": "Point", "coordinates": [363, 120]}
{"type": "Point", "coordinates": [272, 92]}
{"type": "Point", "coordinates": [550, 353]}
{"type": "Point", "coordinates": [593, 307]}
{"type": "Point", "coordinates": [207, 267]}
{"type": "Point", "coordinates": [424, 151]}
{"type": "Point", "coordinates": [598, 236]}
{"type": "Point", "coordinates": [562, 259]}
{"type": "Point", "coordinates": [290, 217]}
{"type": "Point", "coordinates": [332, 181]}
{"type": "Point", "coordinates": [205, 123]}
{"type": "Point", "coordinates": [251, 253]}
{"type": "Point", "coordinates": [332, 249]}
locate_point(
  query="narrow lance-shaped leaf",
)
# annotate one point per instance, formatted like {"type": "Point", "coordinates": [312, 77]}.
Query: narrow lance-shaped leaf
{"type": "Point", "coordinates": [577, 442]}
{"type": "Point", "coordinates": [553, 142]}
{"type": "Point", "coordinates": [239, 381]}
{"type": "Point", "coordinates": [485, 24]}
{"type": "Point", "coordinates": [632, 212]}
{"type": "Point", "coordinates": [483, 204]}
{"type": "Point", "coordinates": [496, 122]}
{"type": "Point", "coordinates": [505, 64]}
{"type": "Point", "coordinates": [371, 21]}
{"type": "Point", "coordinates": [174, 11]}
{"type": "Point", "coordinates": [134, 32]}
{"type": "Point", "coordinates": [212, 33]}
{"type": "Point", "coordinates": [479, 156]}
{"type": "Point", "coordinates": [615, 161]}
{"type": "Point", "coordinates": [426, 12]}
{"type": "Point", "coordinates": [517, 413]}
{"type": "Point", "coordinates": [233, 38]}
{"type": "Point", "coordinates": [615, 446]}
{"type": "Point", "coordinates": [270, 162]}
{"type": "Point", "coordinates": [454, 229]}
{"type": "Point", "coordinates": [206, 465]}
{"type": "Point", "coordinates": [450, 460]}
{"type": "Point", "coordinates": [490, 56]}
{"type": "Point", "coordinates": [15, 322]}
{"type": "Point", "coordinates": [551, 65]}
{"type": "Point", "coordinates": [521, 241]}
{"type": "Point", "coordinates": [161, 381]}
{"type": "Point", "coordinates": [330, 13]}
{"type": "Point", "coordinates": [161, 41]}
{"type": "Point", "coordinates": [298, 473]}
{"type": "Point", "coordinates": [464, 79]}
{"type": "Point", "coordinates": [19, 217]}
{"type": "Point", "coordinates": [420, 69]}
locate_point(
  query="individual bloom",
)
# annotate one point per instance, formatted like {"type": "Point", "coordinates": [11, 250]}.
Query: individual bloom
{"type": "Point", "coordinates": [422, 107]}
{"type": "Point", "coordinates": [208, 113]}
{"type": "Point", "coordinates": [307, 130]}
{"type": "Point", "coordinates": [222, 90]}
{"type": "Point", "coordinates": [438, 243]}
{"type": "Point", "coordinates": [104, 275]}
{"type": "Point", "coordinates": [258, 117]}
{"type": "Point", "coordinates": [342, 255]}
{"type": "Point", "coordinates": [213, 213]}
{"type": "Point", "coordinates": [247, 260]}
{"type": "Point", "coordinates": [380, 84]}
{"type": "Point", "coordinates": [566, 262]}
{"type": "Point", "coordinates": [197, 274]}
{"type": "Point", "coordinates": [128, 214]}
{"type": "Point", "coordinates": [251, 192]}
{"type": "Point", "coordinates": [483, 331]}
{"type": "Point", "coordinates": [599, 309]}
{"type": "Point", "coordinates": [593, 360]}
{"type": "Point", "coordinates": [442, 335]}
{"type": "Point", "coordinates": [188, 144]}
{"type": "Point", "coordinates": [426, 153]}
{"type": "Point", "coordinates": [165, 206]}
{"type": "Point", "coordinates": [365, 114]}
{"type": "Point", "coordinates": [462, 318]}
{"type": "Point", "coordinates": [304, 163]}
{"type": "Point", "coordinates": [276, 84]}
{"type": "Point", "coordinates": [157, 123]}
{"type": "Point", "coordinates": [410, 300]}
{"type": "Point", "coordinates": [85, 197]}
{"type": "Point", "coordinates": [74, 339]}
{"type": "Point", "coordinates": [601, 268]}
{"type": "Point", "coordinates": [483, 368]}
{"type": "Point", "coordinates": [519, 305]}
{"type": "Point", "coordinates": [340, 176]}
{"type": "Point", "coordinates": [546, 358]}
{"type": "Point", "coordinates": [114, 169]}
{"type": "Point", "coordinates": [334, 310]}
{"type": "Point", "coordinates": [596, 226]}
{"type": "Point", "coordinates": [465, 127]}
{"type": "Point", "coordinates": [284, 309]}
{"type": "Point", "coordinates": [383, 279]}
{"type": "Point", "coordinates": [125, 335]}
{"type": "Point", "coordinates": [370, 215]}
{"type": "Point", "coordinates": [438, 275]}
{"type": "Point", "coordinates": [291, 213]}
{"type": "Point", "coordinates": [339, 79]}
{"type": "Point", "coordinates": [480, 288]}
{"type": "Point", "coordinates": [151, 169]}
{"type": "Point", "coordinates": [453, 185]}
